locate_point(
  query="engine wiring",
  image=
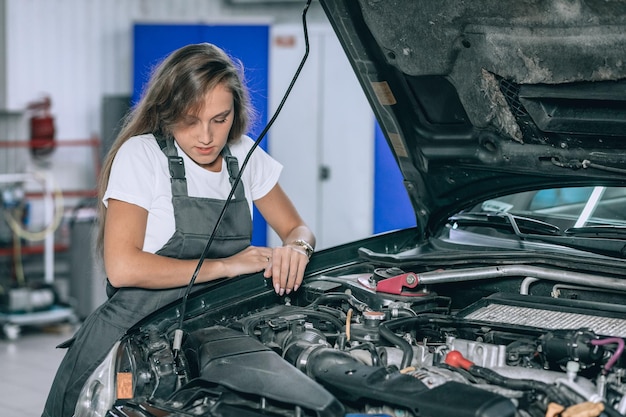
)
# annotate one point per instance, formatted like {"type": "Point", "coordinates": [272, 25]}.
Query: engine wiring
{"type": "Point", "coordinates": [616, 355]}
{"type": "Point", "coordinates": [178, 333]}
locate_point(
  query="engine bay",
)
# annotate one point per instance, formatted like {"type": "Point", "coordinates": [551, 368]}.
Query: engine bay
{"type": "Point", "coordinates": [390, 342]}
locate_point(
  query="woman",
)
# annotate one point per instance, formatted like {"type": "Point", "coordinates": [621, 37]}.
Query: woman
{"type": "Point", "coordinates": [163, 186]}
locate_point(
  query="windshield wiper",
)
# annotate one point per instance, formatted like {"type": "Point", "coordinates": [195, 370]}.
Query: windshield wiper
{"type": "Point", "coordinates": [603, 240]}
{"type": "Point", "coordinates": [523, 227]}
{"type": "Point", "coordinates": [605, 231]}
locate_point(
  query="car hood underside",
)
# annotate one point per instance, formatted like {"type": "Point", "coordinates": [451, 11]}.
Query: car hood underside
{"type": "Point", "coordinates": [478, 98]}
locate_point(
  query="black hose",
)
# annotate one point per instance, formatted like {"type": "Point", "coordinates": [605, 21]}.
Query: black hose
{"type": "Point", "coordinates": [353, 301]}
{"type": "Point", "coordinates": [611, 412]}
{"type": "Point", "coordinates": [372, 351]}
{"type": "Point", "coordinates": [520, 384]}
{"type": "Point", "coordinates": [386, 332]}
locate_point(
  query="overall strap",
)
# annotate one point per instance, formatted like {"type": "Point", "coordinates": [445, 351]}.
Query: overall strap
{"type": "Point", "coordinates": [177, 168]}
{"type": "Point", "coordinates": [176, 165]}
{"type": "Point", "coordinates": [232, 164]}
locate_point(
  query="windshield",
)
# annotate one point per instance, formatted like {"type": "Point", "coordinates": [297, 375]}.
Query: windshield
{"type": "Point", "coordinates": [565, 207]}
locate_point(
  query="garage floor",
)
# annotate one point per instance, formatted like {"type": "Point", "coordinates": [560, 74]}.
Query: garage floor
{"type": "Point", "coordinates": [27, 368]}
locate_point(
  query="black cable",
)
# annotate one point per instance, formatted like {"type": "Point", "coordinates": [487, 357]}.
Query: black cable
{"type": "Point", "coordinates": [330, 297]}
{"type": "Point", "coordinates": [177, 339]}
{"type": "Point", "coordinates": [552, 392]}
{"type": "Point", "coordinates": [371, 349]}
{"type": "Point", "coordinates": [610, 411]}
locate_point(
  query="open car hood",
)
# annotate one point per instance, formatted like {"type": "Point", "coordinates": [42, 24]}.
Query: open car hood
{"type": "Point", "coordinates": [482, 98]}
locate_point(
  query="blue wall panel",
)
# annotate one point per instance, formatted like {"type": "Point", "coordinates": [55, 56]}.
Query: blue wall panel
{"type": "Point", "coordinates": [392, 208]}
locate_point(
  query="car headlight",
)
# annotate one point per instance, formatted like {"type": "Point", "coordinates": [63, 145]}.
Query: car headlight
{"type": "Point", "coordinates": [135, 368]}
{"type": "Point", "coordinates": [99, 392]}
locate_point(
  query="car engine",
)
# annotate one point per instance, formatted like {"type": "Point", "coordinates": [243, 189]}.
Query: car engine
{"type": "Point", "coordinates": [386, 342]}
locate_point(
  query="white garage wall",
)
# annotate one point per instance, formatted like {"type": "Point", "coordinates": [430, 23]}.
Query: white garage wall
{"type": "Point", "coordinates": [327, 125]}
{"type": "Point", "coordinates": [79, 50]}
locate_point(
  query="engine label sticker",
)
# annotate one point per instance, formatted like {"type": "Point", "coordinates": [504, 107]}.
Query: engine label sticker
{"type": "Point", "coordinates": [124, 385]}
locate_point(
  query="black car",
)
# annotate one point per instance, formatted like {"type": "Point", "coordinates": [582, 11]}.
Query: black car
{"type": "Point", "coordinates": [508, 122]}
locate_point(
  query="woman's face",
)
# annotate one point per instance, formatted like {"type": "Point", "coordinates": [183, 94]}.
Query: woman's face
{"type": "Point", "coordinates": [202, 136]}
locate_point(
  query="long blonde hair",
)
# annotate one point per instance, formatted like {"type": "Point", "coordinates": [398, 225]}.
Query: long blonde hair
{"type": "Point", "coordinates": [176, 88]}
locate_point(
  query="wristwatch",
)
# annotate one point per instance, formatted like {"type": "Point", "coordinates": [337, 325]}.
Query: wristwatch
{"type": "Point", "coordinates": [308, 249]}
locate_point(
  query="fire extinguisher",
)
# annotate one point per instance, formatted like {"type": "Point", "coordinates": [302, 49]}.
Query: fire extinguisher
{"type": "Point", "coordinates": [41, 127]}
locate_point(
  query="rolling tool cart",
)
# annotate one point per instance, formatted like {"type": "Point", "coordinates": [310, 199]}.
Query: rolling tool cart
{"type": "Point", "coordinates": [13, 321]}
{"type": "Point", "coordinates": [24, 303]}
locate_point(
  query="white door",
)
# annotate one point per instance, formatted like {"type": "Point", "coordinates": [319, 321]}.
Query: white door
{"type": "Point", "coordinates": [324, 135]}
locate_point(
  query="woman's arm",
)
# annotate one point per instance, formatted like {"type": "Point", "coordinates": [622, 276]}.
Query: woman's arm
{"type": "Point", "coordinates": [127, 265]}
{"type": "Point", "coordinates": [289, 261]}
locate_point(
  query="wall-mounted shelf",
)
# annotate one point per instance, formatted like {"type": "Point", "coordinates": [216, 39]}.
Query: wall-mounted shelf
{"type": "Point", "coordinates": [34, 249]}
{"type": "Point", "coordinates": [93, 142]}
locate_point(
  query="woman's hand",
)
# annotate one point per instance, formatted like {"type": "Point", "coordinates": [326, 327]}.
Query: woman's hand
{"type": "Point", "coordinates": [288, 261]}
{"type": "Point", "coordinates": [286, 268]}
{"type": "Point", "coordinates": [250, 260]}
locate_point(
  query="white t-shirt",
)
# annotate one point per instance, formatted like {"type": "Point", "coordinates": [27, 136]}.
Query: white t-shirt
{"type": "Point", "coordinates": [140, 175]}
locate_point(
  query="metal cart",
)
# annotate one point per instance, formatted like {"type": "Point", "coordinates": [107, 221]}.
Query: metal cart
{"type": "Point", "coordinates": [12, 322]}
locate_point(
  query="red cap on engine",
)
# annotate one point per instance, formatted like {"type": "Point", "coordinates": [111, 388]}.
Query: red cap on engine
{"type": "Point", "coordinates": [455, 358]}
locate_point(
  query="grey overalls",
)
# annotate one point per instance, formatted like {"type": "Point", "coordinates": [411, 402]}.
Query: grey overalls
{"type": "Point", "coordinates": [195, 219]}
